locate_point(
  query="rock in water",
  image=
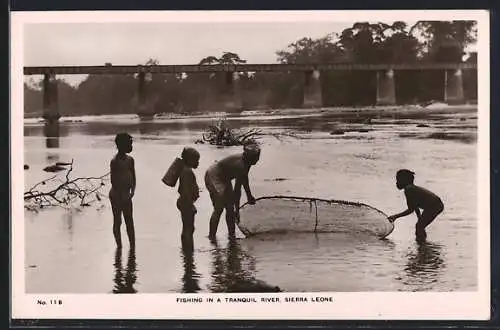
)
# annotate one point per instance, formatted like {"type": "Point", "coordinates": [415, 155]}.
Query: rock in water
{"type": "Point", "coordinates": [54, 168]}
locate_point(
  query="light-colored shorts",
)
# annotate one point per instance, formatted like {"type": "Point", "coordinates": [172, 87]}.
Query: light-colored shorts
{"type": "Point", "coordinates": [218, 188]}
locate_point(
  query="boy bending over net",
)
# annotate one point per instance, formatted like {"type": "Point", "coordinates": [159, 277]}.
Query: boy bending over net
{"type": "Point", "coordinates": [417, 198]}
{"type": "Point", "coordinates": [218, 179]}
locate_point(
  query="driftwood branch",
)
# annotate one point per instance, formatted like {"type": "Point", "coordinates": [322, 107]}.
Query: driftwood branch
{"type": "Point", "coordinates": [66, 192]}
{"type": "Point", "coordinates": [221, 134]}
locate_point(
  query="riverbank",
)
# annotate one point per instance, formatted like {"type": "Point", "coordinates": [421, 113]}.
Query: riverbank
{"type": "Point", "coordinates": [401, 111]}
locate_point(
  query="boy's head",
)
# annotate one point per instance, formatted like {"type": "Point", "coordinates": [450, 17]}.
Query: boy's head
{"type": "Point", "coordinates": [123, 142]}
{"type": "Point", "coordinates": [191, 157]}
{"type": "Point", "coordinates": [404, 178]}
{"type": "Point", "coordinates": [251, 153]}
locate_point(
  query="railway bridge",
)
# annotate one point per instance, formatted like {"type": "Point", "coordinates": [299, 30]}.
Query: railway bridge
{"type": "Point", "coordinates": [453, 85]}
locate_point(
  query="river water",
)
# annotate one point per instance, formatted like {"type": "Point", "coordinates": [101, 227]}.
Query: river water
{"type": "Point", "coordinates": [74, 252]}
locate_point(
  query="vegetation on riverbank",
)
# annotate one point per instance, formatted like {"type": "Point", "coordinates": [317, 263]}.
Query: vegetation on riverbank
{"type": "Point", "coordinates": [364, 42]}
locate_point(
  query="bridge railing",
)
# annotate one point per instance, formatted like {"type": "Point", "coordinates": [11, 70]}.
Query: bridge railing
{"type": "Point", "coordinates": [131, 69]}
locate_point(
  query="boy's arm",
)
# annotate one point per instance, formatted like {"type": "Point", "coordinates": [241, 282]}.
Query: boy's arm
{"type": "Point", "coordinates": [132, 169]}
{"type": "Point", "coordinates": [194, 187]}
{"type": "Point", "coordinates": [237, 195]}
{"type": "Point", "coordinates": [243, 178]}
{"type": "Point", "coordinates": [112, 172]}
{"type": "Point", "coordinates": [400, 215]}
{"type": "Point", "coordinates": [188, 185]}
{"type": "Point", "coordinates": [246, 186]}
{"type": "Point", "coordinates": [411, 207]}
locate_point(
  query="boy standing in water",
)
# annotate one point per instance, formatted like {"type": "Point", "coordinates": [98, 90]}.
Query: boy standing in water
{"type": "Point", "coordinates": [122, 188]}
{"type": "Point", "coordinates": [189, 192]}
{"type": "Point", "coordinates": [218, 182]}
{"type": "Point", "coordinates": [417, 198]}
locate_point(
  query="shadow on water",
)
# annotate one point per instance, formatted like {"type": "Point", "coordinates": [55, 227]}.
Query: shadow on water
{"type": "Point", "coordinates": [424, 266]}
{"type": "Point", "coordinates": [190, 278]}
{"type": "Point", "coordinates": [124, 281]}
{"type": "Point", "coordinates": [232, 271]}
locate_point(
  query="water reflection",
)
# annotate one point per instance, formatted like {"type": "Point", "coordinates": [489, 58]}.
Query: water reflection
{"type": "Point", "coordinates": [190, 278]}
{"type": "Point", "coordinates": [51, 133]}
{"type": "Point", "coordinates": [233, 270]}
{"type": "Point", "coordinates": [68, 218]}
{"type": "Point", "coordinates": [124, 281]}
{"type": "Point", "coordinates": [424, 266]}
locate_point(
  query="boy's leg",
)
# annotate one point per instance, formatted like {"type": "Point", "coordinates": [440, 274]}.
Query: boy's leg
{"type": "Point", "coordinates": [129, 221]}
{"type": "Point", "coordinates": [187, 214]}
{"type": "Point", "coordinates": [116, 207]}
{"type": "Point", "coordinates": [426, 219]}
{"type": "Point", "coordinates": [187, 230]}
{"type": "Point", "coordinates": [215, 218]}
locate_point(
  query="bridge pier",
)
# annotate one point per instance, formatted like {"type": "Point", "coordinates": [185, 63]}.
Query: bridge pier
{"type": "Point", "coordinates": [386, 90]}
{"type": "Point", "coordinates": [232, 100]}
{"type": "Point", "coordinates": [50, 98]}
{"type": "Point", "coordinates": [144, 108]}
{"type": "Point", "coordinates": [312, 90]}
{"type": "Point", "coordinates": [453, 87]}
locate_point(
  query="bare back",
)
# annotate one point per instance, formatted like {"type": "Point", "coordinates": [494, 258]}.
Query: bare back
{"type": "Point", "coordinates": [230, 168]}
{"type": "Point", "coordinates": [422, 198]}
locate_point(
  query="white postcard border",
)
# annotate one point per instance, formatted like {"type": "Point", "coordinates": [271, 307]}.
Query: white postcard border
{"type": "Point", "coordinates": [360, 305]}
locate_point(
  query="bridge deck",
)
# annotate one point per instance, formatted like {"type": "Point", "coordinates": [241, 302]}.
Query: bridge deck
{"type": "Point", "coordinates": [130, 69]}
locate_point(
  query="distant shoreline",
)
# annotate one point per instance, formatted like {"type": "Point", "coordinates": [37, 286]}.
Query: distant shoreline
{"type": "Point", "coordinates": [433, 109]}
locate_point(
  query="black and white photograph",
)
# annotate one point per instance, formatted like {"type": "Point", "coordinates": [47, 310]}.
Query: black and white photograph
{"type": "Point", "coordinates": [250, 164]}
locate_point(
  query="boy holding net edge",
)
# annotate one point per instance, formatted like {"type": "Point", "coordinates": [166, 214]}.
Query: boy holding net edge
{"type": "Point", "coordinates": [417, 198]}
{"type": "Point", "coordinates": [218, 178]}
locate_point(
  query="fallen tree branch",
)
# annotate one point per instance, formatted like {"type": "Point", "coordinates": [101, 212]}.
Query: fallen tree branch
{"type": "Point", "coordinates": [67, 193]}
{"type": "Point", "coordinates": [222, 135]}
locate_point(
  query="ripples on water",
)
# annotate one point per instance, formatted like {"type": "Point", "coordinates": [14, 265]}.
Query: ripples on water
{"type": "Point", "coordinates": [75, 252]}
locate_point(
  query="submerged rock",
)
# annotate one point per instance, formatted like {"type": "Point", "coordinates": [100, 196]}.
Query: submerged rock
{"type": "Point", "coordinates": [54, 168]}
{"type": "Point", "coordinates": [337, 132]}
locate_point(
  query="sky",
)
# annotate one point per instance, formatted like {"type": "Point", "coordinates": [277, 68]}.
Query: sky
{"type": "Point", "coordinates": [132, 43]}
{"type": "Point", "coordinates": [57, 44]}
{"type": "Point", "coordinates": [174, 43]}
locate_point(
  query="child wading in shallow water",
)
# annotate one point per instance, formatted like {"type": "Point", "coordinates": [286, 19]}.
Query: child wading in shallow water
{"type": "Point", "coordinates": [189, 192]}
{"type": "Point", "coordinates": [122, 188]}
{"type": "Point", "coordinates": [218, 179]}
{"type": "Point", "coordinates": [417, 198]}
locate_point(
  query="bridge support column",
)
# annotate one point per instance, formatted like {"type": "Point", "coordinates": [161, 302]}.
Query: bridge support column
{"type": "Point", "coordinates": [144, 108]}
{"type": "Point", "coordinates": [233, 101]}
{"type": "Point", "coordinates": [312, 90]}
{"type": "Point", "coordinates": [386, 91]}
{"type": "Point", "coordinates": [50, 98]}
{"type": "Point", "coordinates": [453, 87]}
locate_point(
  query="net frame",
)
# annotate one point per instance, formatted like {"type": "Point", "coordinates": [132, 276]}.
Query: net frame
{"type": "Point", "coordinates": [313, 201]}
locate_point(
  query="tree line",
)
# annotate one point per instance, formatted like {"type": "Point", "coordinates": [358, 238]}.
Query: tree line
{"type": "Point", "coordinates": [363, 42]}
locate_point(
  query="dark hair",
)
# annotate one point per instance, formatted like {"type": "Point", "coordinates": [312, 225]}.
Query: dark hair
{"type": "Point", "coordinates": [405, 175]}
{"type": "Point", "coordinates": [122, 138]}
{"type": "Point", "coordinates": [189, 153]}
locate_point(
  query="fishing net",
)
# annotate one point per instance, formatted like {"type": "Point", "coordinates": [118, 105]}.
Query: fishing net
{"type": "Point", "coordinates": [281, 214]}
